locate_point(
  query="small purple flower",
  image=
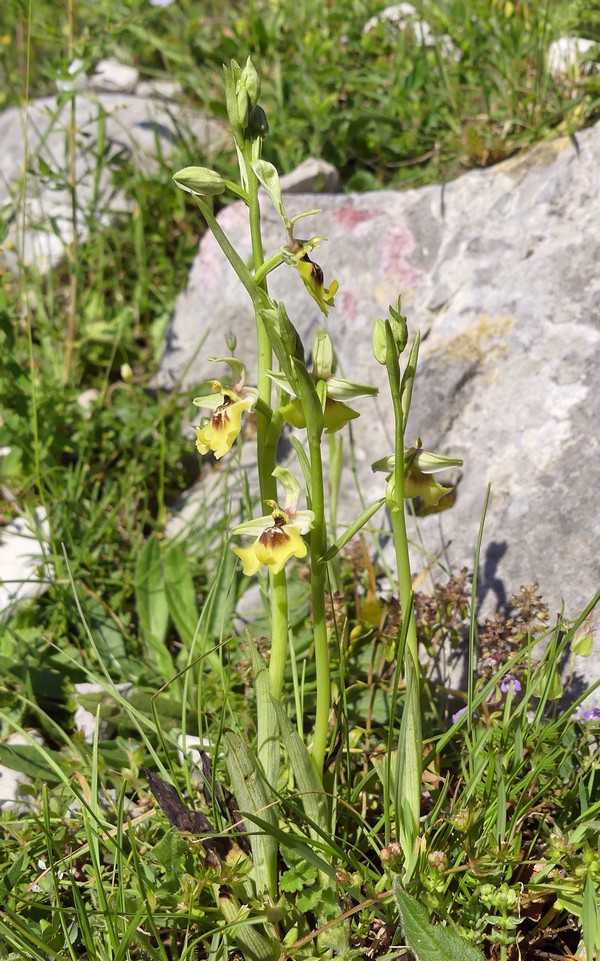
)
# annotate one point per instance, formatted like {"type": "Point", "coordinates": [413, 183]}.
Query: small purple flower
{"type": "Point", "coordinates": [593, 715]}
{"type": "Point", "coordinates": [458, 715]}
{"type": "Point", "coordinates": [507, 681]}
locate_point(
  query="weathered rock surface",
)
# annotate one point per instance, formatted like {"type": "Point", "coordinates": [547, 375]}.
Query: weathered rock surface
{"type": "Point", "coordinates": [499, 271]}
{"type": "Point", "coordinates": [567, 57]}
{"type": "Point", "coordinates": [110, 128]}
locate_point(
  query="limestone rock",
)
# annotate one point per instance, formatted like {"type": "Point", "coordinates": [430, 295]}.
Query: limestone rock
{"type": "Point", "coordinates": [566, 57]}
{"type": "Point", "coordinates": [112, 128]}
{"type": "Point", "coordinates": [24, 569]}
{"type": "Point", "coordinates": [499, 271]}
{"type": "Point", "coordinates": [312, 176]}
{"type": "Point", "coordinates": [112, 76]}
{"type": "Point", "coordinates": [404, 18]}
{"type": "Point", "coordinates": [85, 720]}
{"type": "Point", "coordinates": [12, 782]}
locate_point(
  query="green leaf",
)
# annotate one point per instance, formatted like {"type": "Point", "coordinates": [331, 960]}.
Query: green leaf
{"type": "Point", "coordinates": [268, 738]}
{"type": "Point", "coordinates": [253, 945]}
{"type": "Point", "coordinates": [590, 918]}
{"type": "Point", "coordinates": [108, 636]}
{"type": "Point", "coordinates": [152, 605]}
{"type": "Point", "coordinates": [180, 592]}
{"type": "Point", "coordinates": [427, 941]}
{"type": "Point", "coordinates": [254, 797]}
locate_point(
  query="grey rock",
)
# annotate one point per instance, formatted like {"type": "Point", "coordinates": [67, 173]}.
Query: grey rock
{"type": "Point", "coordinates": [499, 272]}
{"type": "Point", "coordinates": [159, 89]}
{"type": "Point", "coordinates": [24, 568]}
{"type": "Point", "coordinates": [85, 720]}
{"type": "Point", "coordinates": [110, 129]}
{"type": "Point", "coordinates": [566, 57]}
{"type": "Point", "coordinates": [111, 76]}
{"type": "Point", "coordinates": [312, 176]}
{"type": "Point", "coordinates": [404, 18]}
{"type": "Point", "coordinates": [12, 797]}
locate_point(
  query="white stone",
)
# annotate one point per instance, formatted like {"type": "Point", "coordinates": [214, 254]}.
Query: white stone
{"type": "Point", "coordinates": [190, 746]}
{"type": "Point", "coordinates": [24, 569]}
{"type": "Point", "coordinates": [111, 76]}
{"type": "Point", "coordinates": [75, 80]}
{"type": "Point", "coordinates": [312, 176]}
{"type": "Point", "coordinates": [12, 782]}
{"type": "Point", "coordinates": [565, 57]}
{"type": "Point", "coordinates": [85, 721]}
{"type": "Point", "coordinates": [402, 17]}
{"type": "Point", "coordinates": [160, 89]}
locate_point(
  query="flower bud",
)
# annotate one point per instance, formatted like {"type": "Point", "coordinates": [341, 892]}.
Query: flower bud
{"type": "Point", "coordinates": [200, 181]}
{"type": "Point", "coordinates": [399, 326]}
{"type": "Point", "coordinates": [323, 356]}
{"type": "Point", "coordinates": [243, 107]}
{"type": "Point", "coordinates": [251, 82]}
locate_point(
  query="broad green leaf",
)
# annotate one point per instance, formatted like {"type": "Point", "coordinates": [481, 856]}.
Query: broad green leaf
{"type": "Point", "coordinates": [108, 636]}
{"type": "Point", "coordinates": [254, 797]}
{"type": "Point", "coordinates": [314, 799]}
{"type": "Point", "coordinates": [268, 736]}
{"type": "Point", "coordinates": [180, 592]}
{"type": "Point", "coordinates": [152, 605]}
{"type": "Point", "coordinates": [427, 941]}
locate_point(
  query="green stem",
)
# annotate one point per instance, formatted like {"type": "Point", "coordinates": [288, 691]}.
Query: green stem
{"type": "Point", "coordinates": [266, 442]}
{"type": "Point", "coordinates": [279, 633]}
{"type": "Point", "coordinates": [408, 781]}
{"type": "Point", "coordinates": [269, 265]}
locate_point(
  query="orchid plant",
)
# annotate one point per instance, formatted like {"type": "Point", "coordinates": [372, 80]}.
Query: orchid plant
{"type": "Point", "coordinates": [315, 400]}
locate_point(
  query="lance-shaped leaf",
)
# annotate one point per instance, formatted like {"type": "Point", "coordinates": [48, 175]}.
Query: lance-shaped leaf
{"type": "Point", "coordinates": [254, 797]}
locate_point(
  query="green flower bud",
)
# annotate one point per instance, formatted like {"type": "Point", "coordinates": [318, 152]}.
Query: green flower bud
{"type": "Point", "coordinates": [243, 107]}
{"type": "Point", "coordinates": [323, 356]}
{"type": "Point", "coordinates": [199, 181]}
{"type": "Point", "coordinates": [233, 74]}
{"type": "Point", "coordinates": [251, 82]}
{"type": "Point", "coordinates": [582, 642]}
{"type": "Point", "coordinates": [399, 326]}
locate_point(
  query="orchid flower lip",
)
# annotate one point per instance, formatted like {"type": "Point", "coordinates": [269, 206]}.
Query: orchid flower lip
{"type": "Point", "coordinates": [278, 537]}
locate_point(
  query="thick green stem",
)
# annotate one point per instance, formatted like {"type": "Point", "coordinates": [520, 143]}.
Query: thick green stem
{"type": "Point", "coordinates": [266, 443]}
{"type": "Point", "coordinates": [279, 633]}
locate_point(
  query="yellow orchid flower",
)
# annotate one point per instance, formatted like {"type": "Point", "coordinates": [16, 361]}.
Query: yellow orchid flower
{"type": "Point", "coordinates": [278, 536]}
{"type": "Point", "coordinates": [225, 424]}
{"type": "Point", "coordinates": [312, 275]}
{"type": "Point", "coordinates": [420, 465]}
